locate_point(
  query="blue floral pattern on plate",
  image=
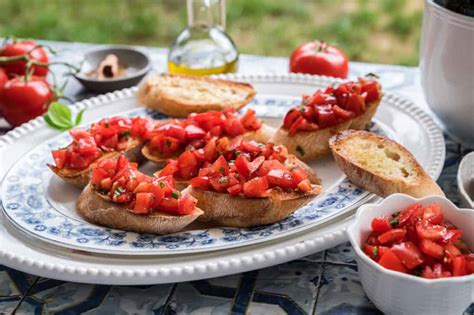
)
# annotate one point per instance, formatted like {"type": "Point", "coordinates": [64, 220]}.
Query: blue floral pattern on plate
{"type": "Point", "coordinates": [26, 204]}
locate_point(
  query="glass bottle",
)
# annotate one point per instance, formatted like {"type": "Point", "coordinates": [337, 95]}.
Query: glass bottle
{"type": "Point", "coordinates": [203, 47]}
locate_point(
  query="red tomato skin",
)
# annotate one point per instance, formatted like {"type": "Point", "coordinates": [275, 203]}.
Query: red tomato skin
{"type": "Point", "coordinates": [256, 187]}
{"type": "Point", "coordinates": [3, 78]}
{"type": "Point", "coordinates": [409, 254]}
{"type": "Point", "coordinates": [431, 248]}
{"type": "Point", "coordinates": [22, 101]}
{"type": "Point", "coordinates": [390, 261]}
{"type": "Point", "coordinates": [319, 58]}
{"type": "Point", "coordinates": [20, 48]}
{"type": "Point", "coordinates": [391, 236]}
{"type": "Point", "coordinates": [380, 224]}
{"type": "Point", "coordinates": [459, 266]}
{"type": "Point", "coordinates": [433, 214]}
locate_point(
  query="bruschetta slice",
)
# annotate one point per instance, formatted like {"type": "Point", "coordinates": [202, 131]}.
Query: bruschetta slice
{"type": "Point", "coordinates": [106, 139]}
{"type": "Point", "coordinates": [307, 127]}
{"type": "Point", "coordinates": [252, 184]}
{"type": "Point", "coordinates": [121, 197]}
{"type": "Point", "coordinates": [170, 138]}
{"type": "Point", "coordinates": [381, 165]}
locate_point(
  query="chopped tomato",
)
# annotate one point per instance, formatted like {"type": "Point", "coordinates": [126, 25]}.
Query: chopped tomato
{"type": "Point", "coordinates": [200, 182]}
{"type": "Point", "coordinates": [256, 187]}
{"type": "Point", "coordinates": [451, 251]}
{"type": "Point", "coordinates": [390, 261]}
{"type": "Point", "coordinates": [281, 178]}
{"type": "Point", "coordinates": [186, 204]}
{"type": "Point", "coordinates": [409, 212]}
{"type": "Point", "coordinates": [60, 157]}
{"type": "Point", "coordinates": [242, 165]}
{"type": "Point", "coordinates": [459, 266]}
{"type": "Point", "coordinates": [143, 203]}
{"type": "Point", "coordinates": [432, 214]}
{"type": "Point", "coordinates": [435, 273]}
{"type": "Point", "coordinates": [428, 231]}
{"type": "Point", "coordinates": [452, 235]}
{"type": "Point", "coordinates": [194, 132]}
{"type": "Point", "coordinates": [235, 189]}
{"type": "Point", "coordinates": [187, 165]}
{"type": "Point", "coordinates": [392, 236]}
{"type": "Point", "coordinates": [431, 248]}
{"type": "Point", "coordinates": [380, 224]}
{"type": "Point", "coordinates": [170, 168]}
{"type": "Point", "coordinates": [409, 254]}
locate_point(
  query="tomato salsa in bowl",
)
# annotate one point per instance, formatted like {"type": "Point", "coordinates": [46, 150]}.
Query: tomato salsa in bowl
{"type": "Point", "coordinates": [413, 254]}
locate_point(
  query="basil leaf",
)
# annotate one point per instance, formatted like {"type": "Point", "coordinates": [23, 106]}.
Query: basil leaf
{"type": "Point", "coordinates": [54, 124]}
{"type": "Point", "coordinates": [79, 117]}
{"type": "Point", "coordinates": [60, 113]}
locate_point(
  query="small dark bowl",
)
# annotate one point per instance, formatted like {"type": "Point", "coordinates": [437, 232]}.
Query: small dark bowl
{"type": "Point", "coordinates": [137, 63]}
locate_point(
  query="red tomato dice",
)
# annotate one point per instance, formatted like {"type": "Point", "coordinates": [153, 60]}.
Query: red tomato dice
{"type": "Point", "coordinates": [380, 224]}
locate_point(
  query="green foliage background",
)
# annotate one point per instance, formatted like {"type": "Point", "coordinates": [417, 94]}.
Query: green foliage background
{"type": "Point", "coordinates": [382, 31]}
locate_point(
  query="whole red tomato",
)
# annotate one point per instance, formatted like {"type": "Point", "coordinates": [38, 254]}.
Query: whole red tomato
{"type": "Point", "coordinates": [21, 48]}
{"type": "Point", "coordinates": [22, 100]}
{"type": "Point", "coordinates": [3, 78]}
{"type": "Point", "coordinates": [319, 58]}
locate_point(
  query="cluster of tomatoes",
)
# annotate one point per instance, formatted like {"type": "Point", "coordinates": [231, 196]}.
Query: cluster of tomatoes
{"type": "Point", "coordinates": [109, 134]}
{"type": "Point", "coordinates": [333, 106]}
{"type": "Point", "coordinates": [123, 183]}
{"type": "Point", "coordinates": [419, 241]}
{"type": "Point", "coordinates": [23, 96]}
{"type": "Point", "coordinates": [195, 131]}
{"type": "Point", "coordinates": [238, 167]}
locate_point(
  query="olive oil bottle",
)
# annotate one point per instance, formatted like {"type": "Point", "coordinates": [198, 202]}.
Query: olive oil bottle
{"type": "Point", "coordinates": [203, 47]}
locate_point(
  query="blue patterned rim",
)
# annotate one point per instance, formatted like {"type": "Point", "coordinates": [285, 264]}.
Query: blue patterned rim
{"type": "Point", "coordinates": [26, 204]}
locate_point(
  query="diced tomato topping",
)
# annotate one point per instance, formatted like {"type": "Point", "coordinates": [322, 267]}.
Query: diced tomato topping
{"type": "Point", "coordinates": [381, 224]}
{"type": "Point", "coordinates": [200, 182]}
{"type": "Point", "coordinates": [143, 203]}
{"type": "Point", "coordinates": [186, 204]}
{"type": "Point", "coordinates": [256, 187]}
{"type": "Point", "coordinates": [60, 157]}
{"type": "Point", "coordinates": [235, 189]}
{"type": "Point", "coordinates": [333, 106]}
{"type": "Point", "coordinates": [392, 236]}
{"type": "Point", "coordinates": [391, 261]}
{"type": "Point", "coordinates": [459, 266]}
{"type": "Point", "coordinates": [409, 254]}
{"type": "Point", "coordinates": [281, 178]}
{"type": "Point", "coordinates": [424, 242]}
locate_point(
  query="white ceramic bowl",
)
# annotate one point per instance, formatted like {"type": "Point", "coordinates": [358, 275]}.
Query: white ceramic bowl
{"type": "Point", "coordinates": [466, 180]}
{"type": "Point", "coordinates": [447, 67]}
{"type": "Point", "coordinates": [397, 293]}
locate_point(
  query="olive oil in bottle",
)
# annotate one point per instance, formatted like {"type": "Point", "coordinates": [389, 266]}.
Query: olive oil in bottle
{"type": "Point", "coordinates": [203, 47]}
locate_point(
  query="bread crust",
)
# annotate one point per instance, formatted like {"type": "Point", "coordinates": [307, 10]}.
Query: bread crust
{"type": "Point", "coordinates": [157, 98]}
{"type": "Point", "coordinates": [222, 209]}
{"type": "Point", "coordinates": [308, 145]}
{"type": "Point", "coordinates": [378, 183]}
{"type": "Point", "coordinates": [97, 209]}
{"type": "Point", "coordinates": [80, 178]}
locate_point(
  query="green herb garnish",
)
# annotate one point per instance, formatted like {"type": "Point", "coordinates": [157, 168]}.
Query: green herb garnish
{"type": "Point", "coordinates": [394, 222]}
{"type": "Point", "coordinates": [59, 117]}
{"type": "Point", "coordinates": [125, 133]}
{"type": "Point", "coordinates": [222, 180]}
{"type": "Point", "coordinates": [175, 195]}
{"type": "Point", "coordinates": [118, 191]}
{"type": "Point", "coordinates": [162, 185]}
{"type": "Point", "coordinates": [107, 125]}
{"type": "Point", "coordinates": [221, 169]}
{"type": "Point", "coordinates": [375, 251]}
{"type": "Point", "coordinates": [300, 150]}
{"type": "Point", "coordinates": [168, 142]}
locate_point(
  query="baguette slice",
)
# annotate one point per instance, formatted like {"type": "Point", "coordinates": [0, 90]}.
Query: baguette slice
{"type": "Point", "coordinates": [181, 95]}
{"type": "Point", "coordinates": [97, 209]}
{"type": "Point", "coordinates": [308, 145]}
{"type": "Point", "coordinates": [224, 210]}
{"type": "Point", "coordinates": [80, 178]}
{"type": "Point", "coordinates": [261, 135]}
{"type": "Point", "coordinates": [381, 165]}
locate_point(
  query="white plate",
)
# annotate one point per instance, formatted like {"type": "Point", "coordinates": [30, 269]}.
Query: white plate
{"type": "Point", "coordinates": [401, 120]}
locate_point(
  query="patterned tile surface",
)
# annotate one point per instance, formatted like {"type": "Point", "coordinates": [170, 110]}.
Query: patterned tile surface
{"type": "Point", "coordinates": [321, 283]}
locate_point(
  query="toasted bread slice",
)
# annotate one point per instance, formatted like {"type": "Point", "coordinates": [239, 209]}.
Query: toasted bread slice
{"type": "Point", "coordinates": [181, 95]}
{"type": "Point", "coordinates": [261, 135]}
{"type": "Point", "coordinates": [381, 165]}
{"type": "Point", "coordinates": [222, 209]}
{"type": "Point", "coordinates": [81, 177]}
{"type": "Point", "coordinates": [308, 145]}
{"type": "Point", "coordinates": [97, 209]}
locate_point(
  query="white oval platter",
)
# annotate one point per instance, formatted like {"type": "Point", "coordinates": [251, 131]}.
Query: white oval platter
{"type": "Point", "coordinates": [398, 117]}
